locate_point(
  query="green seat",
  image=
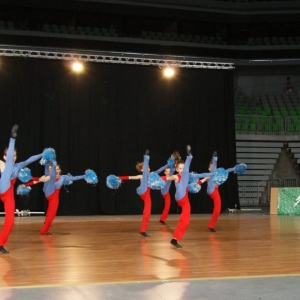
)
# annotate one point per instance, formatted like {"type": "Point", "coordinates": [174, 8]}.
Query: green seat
{"type": "Point", "coordinates": [267, 128]}
{"type": "Point", "coordinates": [275, 128]}
{"type": "Point", "coordinates": [267, 111]}
{"type": "Point", "coordinates": [297, 128]}
{"type": "Point", "coordinates": [276, 113]}
{"type": "Point", "coordinates": [290, 128]}
{"type": "Point", "coordinates": [245, 126]}
{"type": "Point", "coordinates": [238, 126]}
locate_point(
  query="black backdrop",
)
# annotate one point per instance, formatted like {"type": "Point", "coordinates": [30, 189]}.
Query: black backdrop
{"type": "Point", "coordinates": [105, 119]}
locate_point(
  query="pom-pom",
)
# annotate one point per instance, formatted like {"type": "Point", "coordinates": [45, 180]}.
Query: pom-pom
{"type": "Point", "coordinates": [138, 189]}
{"type": "Point", "coordinates": [24, 175]}
{"type": "Point", "coordinates": [171, 163]}
{"type": "Point", "coordinates": [48, 156]}
{"type": "Point", "coordinates": [67, 182]}
{"type": "Point", "coordinates": [113, 182]}
{"type": "Point", "coordinates": [240, 169]}
{"type": "Point", "coordinates": [155, 182]}
{"type": "Point", "coordinates": [193, 179]}
{"type": "Point", "coordinates": [23, 190]}
{"type": "Point", "coordinates": [220, 176]}
{"type": "Point", "coordinates": [90, 177]}
{"type": "Point", "coordinates": [194, 188]}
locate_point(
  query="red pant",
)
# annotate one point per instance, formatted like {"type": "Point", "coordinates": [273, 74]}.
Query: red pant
{"type": "Point", "coordinates": [165, 212]}
{"type": "Point", "coordinates": [147, 209]}
{"type": "Point", "coordinates": [184, 219]}
{"type": "Point", "coordinates": [9, 208]}
{"type": "Point", "coordinates": [215, 196]}
{"type": "Point", "coordinates": [53, 201]}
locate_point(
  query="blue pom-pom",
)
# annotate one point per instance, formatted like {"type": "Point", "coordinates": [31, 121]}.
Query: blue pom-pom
{"type": "Point", "coordinates": [113, 182]}
{"type": "Point", "coordinates": [67, 182]}
{"type": "Point", "coordinates": [171, 163]}
{"type": "Point", "coordinates": [220, 176]}
{"type": "Point", "coordinates": [138, 190]}
{"type": "Point", "coordinates": [23, 190]}
{"type": "Point", "coordinates": [48, 156]}
{"type": "Point", "coordinates": [193, 180]}
{"type": "Point", "coordinates": [90, 177]}
{"type": "Point", "coordinates": [240, 169]}
{"type": "Point", "coordinates": [194, 188]}
{"type": "Point", "coordinates": [155, 182]}
{"type": "Point", "coordinates": [24, 175]}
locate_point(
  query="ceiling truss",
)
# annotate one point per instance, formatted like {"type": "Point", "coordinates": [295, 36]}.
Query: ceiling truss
{"type": "Point", "coordinates": [116, 58]}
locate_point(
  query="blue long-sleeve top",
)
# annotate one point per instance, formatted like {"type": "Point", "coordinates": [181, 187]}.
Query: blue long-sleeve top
{"type": "Point", "coordinates": [18, 166]}
{"type": "Point", "coordinates": [54, 184]}
{"type": "Point", "coordinates": [166, 188]}
{"type": "Point", "coordinates": [210, 184]}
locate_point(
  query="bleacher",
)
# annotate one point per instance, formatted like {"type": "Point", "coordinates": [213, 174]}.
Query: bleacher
{"type": "Point", "coordinates": [267, 124]}
{"type": "Point", "coordinates": [261, 158]}
{"type": "Point", "coordinates": [267, 113]}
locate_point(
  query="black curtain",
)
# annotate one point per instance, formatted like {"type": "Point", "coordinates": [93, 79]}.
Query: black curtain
{"type": "Point", "coordinates": [105, 118]}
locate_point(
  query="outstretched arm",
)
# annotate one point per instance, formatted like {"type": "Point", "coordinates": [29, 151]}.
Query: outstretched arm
{"type": "Point", "coordinates": [30, 160]}
{"type": "Point", "coordinates": [172, 178]}
{"type": "Point", "coordinates": [202, 175]}
{"type": "Point", "coordinates": [130, 177]}
{"type": "Point", "coordinates": [161, 169]}
{"type": "Point", "coordinates": [203, 180]}
{"type": "Point", "coordinates": [230, 170]}
{"type": "Point", "coordinates": [34, 180]}
{"type": "Point", "coordinates": [73, 178]}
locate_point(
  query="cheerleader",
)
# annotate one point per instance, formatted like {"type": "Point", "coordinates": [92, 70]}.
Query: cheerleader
{"type": "Point", "coordinates": [168, 170]}
{"type": "Point", "coordinates": [53, 181]}
{"type": "Point", "coordinates": [9, 175]}
{"type": "Point", "coordinates": [143, 191]}
{"type": "Point", "coordinates": [213, 188]}
{"type": "Point", "coordinates": [181, 196]}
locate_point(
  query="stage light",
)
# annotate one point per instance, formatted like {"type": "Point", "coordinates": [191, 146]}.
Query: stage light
{"type": "Point", "coordinates": [169, 72]}
{"type": "Point", "coordinates": [77, 66]}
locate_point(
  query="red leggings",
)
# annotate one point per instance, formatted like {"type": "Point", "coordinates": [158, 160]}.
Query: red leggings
{"type": "Point", "coordinates": [147, 209]}
{"type": "Point", "coordinates": [53, 201]}
{"type": "Point", "coordinates": [9, 208]}
{"type": "Point", "coordinates": [165, 212]}
{"type": "Point", "coordinates": [215, 196]}
{"type": "Point", "coordinates": [184, 219]}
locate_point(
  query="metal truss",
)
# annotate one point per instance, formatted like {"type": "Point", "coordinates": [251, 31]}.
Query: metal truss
{"type": "Point", "coordinates": [116, 58]}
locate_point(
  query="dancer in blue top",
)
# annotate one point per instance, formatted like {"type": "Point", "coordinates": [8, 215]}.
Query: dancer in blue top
{"type": "Point", "coordinates": [143, 191]}
{"type": "Point", "coordinates": [9, 174]}
{"type": "Point", "coordinates": [213, 188]}
{"type": "Point", "coordinates": [181, 196]}
{"type": "Point", "coordinates": [53, 182]}
{"type": "Point", "coordinates": [168, 171]}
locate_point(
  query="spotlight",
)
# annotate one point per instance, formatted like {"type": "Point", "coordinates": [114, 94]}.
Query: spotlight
{"type": "Point", "coordinates": [169, 72]}
{"type": "Point", "coordinates": [77, 66]}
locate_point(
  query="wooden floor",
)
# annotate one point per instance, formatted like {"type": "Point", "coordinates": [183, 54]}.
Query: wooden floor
{"type": "Point", "coordinates": [108, 249]}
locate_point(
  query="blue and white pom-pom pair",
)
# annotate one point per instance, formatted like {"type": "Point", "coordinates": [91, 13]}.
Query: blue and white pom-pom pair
{"type": "Point", "coordinates": [113, 182]}
{"type": "Point", "coordinates": [193, 186]}
{"type": "Point", "coordinates": [48, 156]}
{"type": "Point", "coordinates": [171, 163]}
{"type": "Point", "coordinates": [220, 176]}
{"type": "Point", "coordinates": [24, 175]}
{"type": "Point", "coordinates": [23, 190]}
{"type": "Point", "coordinates": [90, 177]}
{"type": "Point", "coordinates": [240, 169]}
{"type": "Point", "coordinates": [154, 182]}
